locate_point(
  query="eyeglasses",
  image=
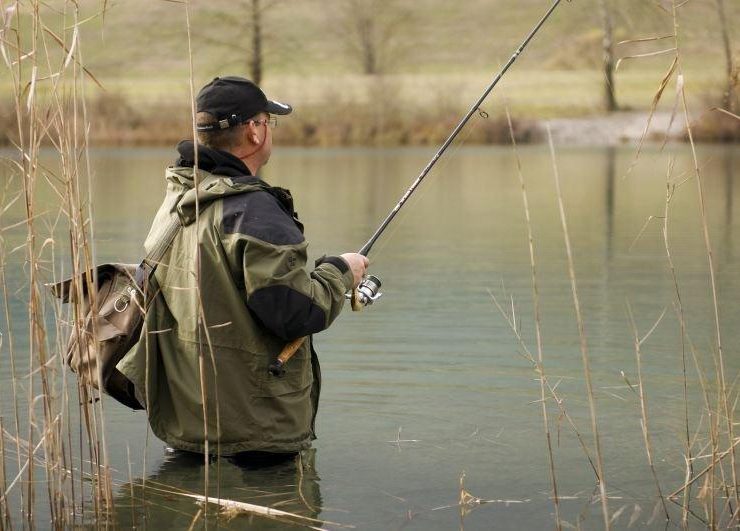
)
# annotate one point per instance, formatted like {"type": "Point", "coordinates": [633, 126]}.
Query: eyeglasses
{"type": "Point", "coordinates": [271, 122]}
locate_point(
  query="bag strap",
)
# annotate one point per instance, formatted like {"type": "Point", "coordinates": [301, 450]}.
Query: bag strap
{"type": "Point", "coordinates": [151, 261]}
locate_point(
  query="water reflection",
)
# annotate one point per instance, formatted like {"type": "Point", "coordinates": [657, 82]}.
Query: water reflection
{"type": "Point", "coordinates": [291, 485]}
{"type": "Point", "coordinates": [610, 173]}
{"type": "Point", "coordinates": [728, 166]}
{"type": "Point", "coordinates": [434, 357]}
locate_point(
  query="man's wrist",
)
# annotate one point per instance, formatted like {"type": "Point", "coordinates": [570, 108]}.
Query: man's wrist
{"type": "Point", "coordinates": [337, 261]}
{"type": "Point", "coordinates": [342, 265]}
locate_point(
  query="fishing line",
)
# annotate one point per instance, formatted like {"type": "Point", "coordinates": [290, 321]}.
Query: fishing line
{"type": "Point", "coordinates": [424, 191]}
{"type": "Point", "coordinates": [476, 107]}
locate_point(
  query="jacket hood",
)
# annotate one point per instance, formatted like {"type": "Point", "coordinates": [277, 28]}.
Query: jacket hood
{"type": "Point", "coordinates": [211, 160]}
{"type": "Point", "coordinates": [220, 174]}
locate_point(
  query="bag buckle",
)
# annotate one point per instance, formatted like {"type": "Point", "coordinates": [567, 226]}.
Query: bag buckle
{"type": "Point", "coordinates": [121, 303]}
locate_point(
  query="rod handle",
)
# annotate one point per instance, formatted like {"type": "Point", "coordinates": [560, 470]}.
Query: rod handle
{"type": "Point", "coordinates": [277, 367]}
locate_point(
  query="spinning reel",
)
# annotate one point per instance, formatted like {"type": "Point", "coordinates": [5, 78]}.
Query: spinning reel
{"type": "Point", "coordinates": [366, 293]}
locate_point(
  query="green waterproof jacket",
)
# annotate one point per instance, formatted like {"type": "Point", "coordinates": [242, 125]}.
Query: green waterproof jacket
{"type": "Point", "coordinates": [231, 292]}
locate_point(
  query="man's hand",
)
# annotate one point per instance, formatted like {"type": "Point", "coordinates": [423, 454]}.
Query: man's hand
{"type": "Point", "coordinates": [358, 264]}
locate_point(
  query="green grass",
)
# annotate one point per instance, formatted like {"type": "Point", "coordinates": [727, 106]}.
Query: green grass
{"type": "Point", "coordinates": [308, 38]}
{"type": "Point", "coordinates": [530, 93]}
{"type": "Point", "coordinates": [446, 56]}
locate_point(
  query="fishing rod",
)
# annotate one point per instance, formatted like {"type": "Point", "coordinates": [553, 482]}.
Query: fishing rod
{"type": "Point", "coordinates": [368, 291]}
{"type": "Point", "coordinates": [476, 107]}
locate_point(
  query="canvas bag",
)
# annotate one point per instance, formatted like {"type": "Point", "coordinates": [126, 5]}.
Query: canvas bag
{"type": "Point", "coordinates": [107, 334]}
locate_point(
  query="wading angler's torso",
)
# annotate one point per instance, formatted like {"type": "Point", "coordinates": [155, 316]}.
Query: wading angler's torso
{"type": "Point", "coordinates": [233, 290]}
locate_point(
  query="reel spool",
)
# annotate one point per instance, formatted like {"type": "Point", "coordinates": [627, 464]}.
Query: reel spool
{"type": "Point", "coordinates": [366, 293]}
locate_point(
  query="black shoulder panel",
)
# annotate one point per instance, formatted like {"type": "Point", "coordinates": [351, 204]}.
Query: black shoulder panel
{"type": "Point", "coordinates": [258, 214]}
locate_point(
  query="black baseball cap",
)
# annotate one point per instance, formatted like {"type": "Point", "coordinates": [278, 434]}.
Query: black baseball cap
{"type": "Point", "coordinates": [234, 100]}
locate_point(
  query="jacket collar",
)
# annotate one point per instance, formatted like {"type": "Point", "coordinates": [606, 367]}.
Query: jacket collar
{"type": "Point", "coordinates": [213, 161]}
{"type": "Point", "coordinates": [223, 163]}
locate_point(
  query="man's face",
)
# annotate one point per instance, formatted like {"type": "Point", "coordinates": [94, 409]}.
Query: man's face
{"type": "Point", "coordinates": [267, 131]}
{"type": "Point", "coordinates": [263, 130]}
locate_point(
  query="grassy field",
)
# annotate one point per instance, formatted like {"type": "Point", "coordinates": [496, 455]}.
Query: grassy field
{"type": "Point", "coordinates": [307, 38]}
{"type": "Point", "coordinates": [542, 93]}
{"type": "Point", "coordinates": [434, 60]}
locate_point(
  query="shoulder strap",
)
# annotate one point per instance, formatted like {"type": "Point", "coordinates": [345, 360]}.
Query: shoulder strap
{"type": "Point", "coordinates": [149, 264]}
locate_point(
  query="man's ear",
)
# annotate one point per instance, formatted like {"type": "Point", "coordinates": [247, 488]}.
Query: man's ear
{"type": "Point", "coordinates": [254, 138]}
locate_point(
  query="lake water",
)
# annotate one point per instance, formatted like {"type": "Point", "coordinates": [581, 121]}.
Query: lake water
{"type": "Point", "coordinates": [430, 383]}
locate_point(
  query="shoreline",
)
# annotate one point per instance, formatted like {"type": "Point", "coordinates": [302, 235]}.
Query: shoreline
{"type": "Point", "coordinates": [363, 128]}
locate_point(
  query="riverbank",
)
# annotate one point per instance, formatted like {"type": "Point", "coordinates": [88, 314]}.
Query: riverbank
{"type": "Point", "coordinates": [413, 111]}
{"type": "Point", "coordinates": [118, 126]}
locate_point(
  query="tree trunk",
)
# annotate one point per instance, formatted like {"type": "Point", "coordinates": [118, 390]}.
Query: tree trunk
{"type": "Point", "coordinates": [608, 47]}
{"type": "Point", "coordinates": [255, 62]}
{"type": "Point", "coordinates": [366, 29]}
{"type": "Point", "coordinates": [728, 100]}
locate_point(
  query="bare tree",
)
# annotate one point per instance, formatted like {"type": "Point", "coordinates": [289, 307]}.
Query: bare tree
{"type": "Point", "coordinates": [608, 62]}
{"type": "Point", "coordinates": [729, 98]}
{"type": "Point", "coordinates": [241, 28]}
{"type": "Point", "coordinates": [373, 31]}
{"type": "Point", "coordinates": [255, 62]}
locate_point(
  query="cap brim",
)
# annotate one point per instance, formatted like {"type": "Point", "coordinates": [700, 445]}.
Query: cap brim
{"type": "Point", "coordinates": [275, 107]}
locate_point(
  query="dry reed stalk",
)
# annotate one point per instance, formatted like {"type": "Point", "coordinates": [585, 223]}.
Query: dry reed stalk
{"type": "Point", "coordinates": [728, 113]}
{"type": "Point", "coordinates": [82, 261]}
{"type": "Point", "coordinates": [723, 485]}
{"type": "Point", "coordinates": [537, 322]}
{"type": "Point", "coordinates": [236, 507]}
{"type": "Point", "coordinates": [675, 68]}
{"type": "Point", "coordinates": [88, 243]}
{"type": "Point", "coordinates": [11, 351]}
{"type": "Point", "coordinates": [552, 389]}
{"type": "Point", "coordinates": [201, 357]}
{"type": "Point", "coordinates": [654, 105]}
{"type": "Point", "coordinates": [704, 471]}
{"type": "Point", "coordinates": [715, 439]}
{"type": "Point", "coordinates": [250, 508]}
{"type": "Point", "coordinates": [146, 500]}
{"type": "Point", "coordinates": [195, 519]}
{"type": "Point", "coordinates": [723, 405]}
{"type": "Point", "coordinates": [55, 120]}
{"type": "Point", "coordinates": [30, 152]}
{"type": "Point", "coordinates": [4, 513]}
{"type": "Point", "coordinates": [66, 410]}
{"type": "Point", "coordinates": [670, 190]}
{"type": "Point", "coordinates": [63, 145]}
{"type": "Point", "coordinates": [11, 357]}
{"type": "Point", "coordinates": [202, 322]}
{"type": "Point", "coordinates": [706, 493]}
{"type": "Point", "coordinates": [643, 401]}
{"type": "Point", "coordinates": [131, 482]}
{"type": "Point", "coordinates": [203, 332]}
{"type": "Point", "coordinates": [299, 467]}
{"type": "Point", "coordinates": [583, 341]}
{"type": "Point", "coordinates": [711, 427]}
{"type": "Point", "coordinates": [723, 392]}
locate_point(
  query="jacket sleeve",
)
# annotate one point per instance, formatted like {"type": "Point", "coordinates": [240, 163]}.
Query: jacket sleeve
{"type": "Point", "coordinates": [284, 297]}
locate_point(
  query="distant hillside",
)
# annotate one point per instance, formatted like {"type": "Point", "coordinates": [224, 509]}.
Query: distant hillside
{"type": "Point", "coordinates": [144, 38]}
{"type": "Point", "coordinates": [432, 58]}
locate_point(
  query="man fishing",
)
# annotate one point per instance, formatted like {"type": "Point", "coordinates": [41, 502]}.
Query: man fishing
{"type": "Point", "coordinates": [233, 290]}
